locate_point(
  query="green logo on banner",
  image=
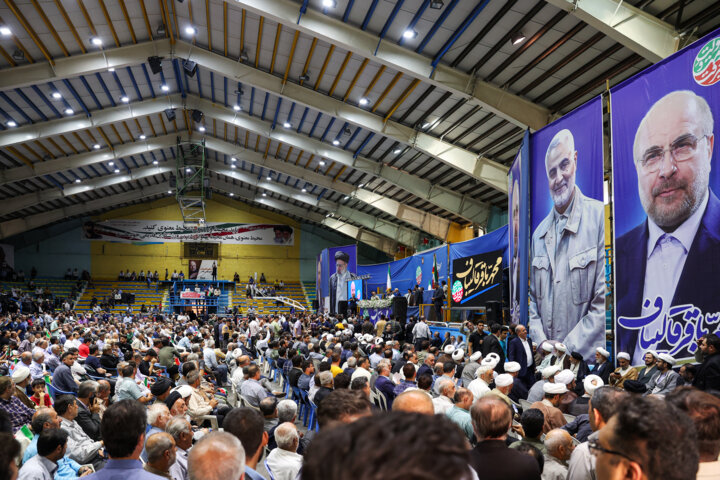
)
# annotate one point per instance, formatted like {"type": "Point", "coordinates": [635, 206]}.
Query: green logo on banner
{"type": "Point", "coordinates": [418, 275]}
{"type": "Point", "coordinates": [706, 67]}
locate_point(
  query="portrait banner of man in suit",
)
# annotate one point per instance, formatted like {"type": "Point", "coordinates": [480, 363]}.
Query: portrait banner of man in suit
{"type": "Point", "coordinates": [343, 265]}
{"type": "Point", "coordinates": [666, 210]}
{"type": "Point", "coordinates": [518, 236]}
{"type": "Point", "coordinates": [567, 247]}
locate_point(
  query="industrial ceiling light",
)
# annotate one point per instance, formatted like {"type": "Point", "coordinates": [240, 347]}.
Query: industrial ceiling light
{"type": "Point", "coordinates": [361, 185]}
{"type": "Point", "coordinates": [190, 30]}
{"type": "Point", "coordinates": [346, 198]}
{"type": "Point", "coordinates": [436, 4]}
{"type": "Point", "coordinates": [232, 194]}
{"type": "Point", "coordinates": [189, 67]}
{"type": "Point", "coordinates": [410, 33]}
{"type": "Point", "coordinates": [322, 163]}
{"type": "Point", "coordinates": [201, 128]}
{"type": "Point", "coordinates": [97, 41]}
{"type": "Point", "coordinates": [155, 63]}
{"type": "Point", "coordinates": [233, 166]}
{"type": "Point", "coordinates": [161, 30]}
{"type": "Point", "coordinates": [142, 137]}
{"type": "Point", "coordinates": [304, 190]}
{"type": "Point", "coordinates": [125, 99]}
{"type": "Point", "coordinates": [397, 150]}
{"type": "Point", "coordinates": [264, 194]}
{"type": "Point", "coordinates": [164, 88]}
{"type": "Point", "coordinates": [117, 170]}
{"type": "Point", "coordinates": [77, 180]}
{"type": "Point", "coordinates": [517, 38]}
{"type": "Point", "coordinates": [69, 111]}
{"type": "Point", "coordinates": [305, 76]}
{"type": "Point", "coordinates": [56, 95]}
{"type": "Point", "coordinates": [233, 159]}
{"type": "Point", "coordinates": [155, 162]}
{"type": "Point", "coordinates": [287, 125]}
{"type": "Point", "coordinates": [96, 146]}
{"type": "Point", "coordinates": [244, 56]}
{"type": "Point", "coordinates": [11, 123]}
{"type": "Point", "coordinates": [111, 163]}
{"type": "Point", "coordinates": [169, 191]}
{"type": "Point", "coordinates": [336, 142]}
{"type": "Point", "coordinates": [237, 108]}
{"type": "Point", "coordinates": [363, 101]}
{"type": "Point", "coordinates": [268, 178]}
{"type": "Point", "coordinates": [329, 3]}
{"type": "Point", "coordinates": [18, 55]}
{"type": "Point", "coordinates": [111, 69]}
{"type": "Point", "coordinates": [188, 170]}
{"type": "Point", "coordinates": [5, 31]}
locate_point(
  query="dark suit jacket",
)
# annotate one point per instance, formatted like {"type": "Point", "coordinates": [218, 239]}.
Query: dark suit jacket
{"type": "Point", "coordinates": [708, 375]}
{"type": "Point", "coordinates": [493, 460]}
{"type": "Point", "coordinates": [492, 344]}
{"type": "Point", "coordinates": [516, 353]}
{"type": "Point", "coordinates": [702, 262]}
{"type": "Point", "coordinates": [604, 371]}
{"type": "Point", "coordinates": [89, 422]}
{"type": "Point", "coordinates": [387, 388]}
{"type": "Point", "coordinates": [333, 289]}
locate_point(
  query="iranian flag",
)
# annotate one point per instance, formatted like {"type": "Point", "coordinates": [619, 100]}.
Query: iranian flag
{"type": "Point", "coordinates": [388, 285]}
{"type": "Point", "coordinates": [435, 281]}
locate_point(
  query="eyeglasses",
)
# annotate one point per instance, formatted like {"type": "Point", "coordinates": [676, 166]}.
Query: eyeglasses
{"type": "Point", "coordinates": [595, 447]}
{"type": "Point", "coordinates": [682, 149]}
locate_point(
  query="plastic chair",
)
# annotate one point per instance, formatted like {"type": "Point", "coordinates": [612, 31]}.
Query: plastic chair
{"type": "Point", "coordinates": [55, 392]}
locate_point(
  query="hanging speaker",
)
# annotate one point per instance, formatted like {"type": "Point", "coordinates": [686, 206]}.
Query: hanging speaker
{"type": "Point", "coordinates": [170, 114]}
{"type": "Point", "coordinates": [155, 63]}
{"type": "Point", "coordinates": [190, 68]}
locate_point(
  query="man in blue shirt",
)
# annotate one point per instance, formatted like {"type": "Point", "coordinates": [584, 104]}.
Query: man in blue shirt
{"type": "Point", "coordinates": [123, 431]}
{"type": "Point", "coordinates": [62, 376]}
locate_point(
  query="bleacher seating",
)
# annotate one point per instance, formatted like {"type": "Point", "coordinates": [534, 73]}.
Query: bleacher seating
{"type": "Point", "coordinates": [56, 286]}
{"type": "Point", "coordinates": [310, 291]}
{"type": "Point", "coordinates": [101, 289]}
{"type": "Point", "coordinates": [265, 306]}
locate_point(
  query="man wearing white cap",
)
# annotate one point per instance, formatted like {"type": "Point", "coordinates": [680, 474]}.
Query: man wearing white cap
{"type": "Point", "coordinates": [481, 385]}
{"type": "Point", "coordinates": [650, 369]}
{"type": "Point", "coordinates": [561, 356]}
{"type": "Point", "coordinates": [602, 367]}
{"type": "Point", "coordinates": [624, 371]}
{"type": "Point", "coordinates": [468, 373]}
{"type": "Point", "coordinates": [553, 416]}
{"type": "Point", "coordinates": [519, 390]}
{"type": "Point", "coordinates": [503, 386]}
{"type": "Point", "coordinates": [567, 378]}
{"type": "Point", "coordinates": [21, 378]}
{"type": "Point", "coordinates": [666, 380]}
{"type": "Point", "coordinates": [590, 384]}
{"type": "Point", "coordinates": [536, 392]}
{"type": "Point", "coordinates": [546, 351]}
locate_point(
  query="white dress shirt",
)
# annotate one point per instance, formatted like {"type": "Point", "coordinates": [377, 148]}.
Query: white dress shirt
{"type": "Point", "coordinates": [283, 464]}
{"type": "Point", "coordinates": [666, 257]}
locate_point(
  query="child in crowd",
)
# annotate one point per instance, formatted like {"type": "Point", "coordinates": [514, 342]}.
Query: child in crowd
{"type": "Point", "coordinates": [40, 395]}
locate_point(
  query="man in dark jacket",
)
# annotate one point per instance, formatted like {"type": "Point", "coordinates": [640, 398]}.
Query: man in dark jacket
{"type": "Point", "coordinates": [491, 458]}
{"type": "Point", "coordinates": [88, 416]}
{"type": "Point", "coordinates": [708, 375]}
{"type": "Point", "coordinates": [491, 344]}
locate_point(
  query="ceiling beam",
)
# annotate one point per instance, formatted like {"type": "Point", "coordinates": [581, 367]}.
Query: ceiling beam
{"type": "Point", "coordinates": [466, 161]}
{"type": "Point", "coordinates": [631, 27]}
{"type": "Point", "coordinates": [458, 204]}
{"type": "Point", "coordinates": [512, 108]}
{"type": "Point", "coordinates": [14, 204]}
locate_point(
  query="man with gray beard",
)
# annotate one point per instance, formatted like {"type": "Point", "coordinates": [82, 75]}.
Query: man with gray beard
{"type": "Point", "coordinates": [567, 273]}
{"type": "Point", "coordinates": [671, 258]}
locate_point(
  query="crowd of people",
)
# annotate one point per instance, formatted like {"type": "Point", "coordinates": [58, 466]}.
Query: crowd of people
{"type": "Point", "coordinates": [169, 396]}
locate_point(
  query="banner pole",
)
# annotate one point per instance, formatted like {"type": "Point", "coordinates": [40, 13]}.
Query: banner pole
{"type": "Point", "coordinates": [448, 315]}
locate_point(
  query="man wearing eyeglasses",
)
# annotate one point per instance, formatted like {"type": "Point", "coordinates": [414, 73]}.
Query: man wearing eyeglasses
{"type": "Point", "coordinates": [567, 276]}
{"type": "Point", "coordinates": [670, 259]}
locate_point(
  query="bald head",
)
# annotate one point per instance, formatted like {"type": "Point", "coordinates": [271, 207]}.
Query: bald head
{"type": "Point", "coordinates": [559, 444]}
{"type": "Point", "coordinates": [491, 418]}
{"type": "Point", "coordinates": [217, 456]}
{"type": "Point", "coordinates": [414, 401]}
{"type": "Point", "coordinates": [160, 448]}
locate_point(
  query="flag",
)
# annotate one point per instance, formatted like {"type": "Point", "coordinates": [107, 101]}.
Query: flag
{"type": "Point", "coordinates": [25, 430]}
{"type": "Point", "coordinates": [435, 281]}
{"type": "Point", "coordinates": [388, 285]}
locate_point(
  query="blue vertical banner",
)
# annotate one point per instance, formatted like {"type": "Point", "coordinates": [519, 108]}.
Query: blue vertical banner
{"type": "Point", "coordinates": [342, 266]}
{"type": "Point", "coordinates": [567, 244]}
{"type": "Point", "coordinates": [666, 179]}
{"type": "Point", "coordinates": [519, 233]}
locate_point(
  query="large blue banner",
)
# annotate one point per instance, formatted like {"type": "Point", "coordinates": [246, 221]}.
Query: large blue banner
{"type": "Point", "coordinates": [519, 234]}
{"type": "Point", "coordinates": [666, 210]}
{"type": "Point", "coordinates": [342, 266]}
{"type": "Point", "coordinates": [567, 249]}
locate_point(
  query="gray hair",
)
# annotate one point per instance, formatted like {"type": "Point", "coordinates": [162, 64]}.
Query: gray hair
{"type": "Point", "coordinates": [442, 384]}
{"type": "Point", "coordinates": [154, 411]}
{"type": "Point", "coordinates": [382, 364]}
{"type": "Point", "coordinates": [482, 370]}
{"type": "Point", "coordinates": [563, 136]}
{"type": "Point", "coordinates": [217, 456]}
{"type": "Point", "coordinates": [176, 426]}
{"type": "Point", "coordinates": [193, 376]}
{"type": "Point", "coordinates": [352, 361]}
{"type": "Point", "coordinates": [326, 378]}
{"type": "Point", "coordinates": [286, 435]}
{"type": "Point", "coordinates": [287, 409]}
{"type": "Point", "coordinates": [706, 120]}
{"type": "Point", "coordinates": [161, 443]}
{"type": "Point", "coordinates": [87, 388]}
{"type": "Point", "coordinates": [38, 355]}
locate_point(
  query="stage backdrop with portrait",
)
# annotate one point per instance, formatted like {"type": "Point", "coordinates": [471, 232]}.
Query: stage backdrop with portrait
{"type": "Point", "coordinates": [666, 179]}
{"type": "Point", "coordinates": [518, 234]}
{"type": "Point", "coordinates": [567, 239]}
{"type": "Point", "coordinates": [339, 266]}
